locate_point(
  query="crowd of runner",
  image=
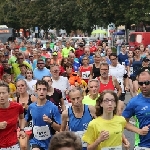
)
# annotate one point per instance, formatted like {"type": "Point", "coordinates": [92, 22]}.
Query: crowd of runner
{"type": "Point", "coordinates": [71, 96]}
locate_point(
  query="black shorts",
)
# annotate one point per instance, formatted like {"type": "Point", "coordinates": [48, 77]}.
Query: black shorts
{"type": "Point", "coordinates": [133, 78]}
{"type": "Point", "coordinates": [36, 146]}
{"type": "Point", "coordinates": [122, 96]}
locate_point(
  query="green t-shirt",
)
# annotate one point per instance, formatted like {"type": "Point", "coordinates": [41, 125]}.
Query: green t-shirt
{"type": "Point", "coordinates": [88, 101]}
{"type": "Point", "coordinates": [65, 51]}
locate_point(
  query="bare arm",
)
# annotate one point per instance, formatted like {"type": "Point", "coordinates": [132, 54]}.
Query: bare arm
{"type": "Point", "coordinates": [64, 119]}
{"type": "Point", "coordinates": [92, 111]}
{"type": "Point", "coordinates": [91, 73]}
{"type": "Point", "coordinates": [22, 122]}
{"type": "Point", "coordinates": [117, 86]}
{"type": "Point", "coordinates": [62, 104]}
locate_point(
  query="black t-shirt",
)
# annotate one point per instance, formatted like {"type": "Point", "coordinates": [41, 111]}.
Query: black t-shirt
{"type": "Point", "coordinates": [8, 71]}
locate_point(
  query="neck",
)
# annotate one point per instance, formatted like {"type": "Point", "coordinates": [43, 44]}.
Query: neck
{"type": "Point", "coordinates": [93, 96]}
{"type": "Point", "coordinates": [56, 78]}
{"type": "Point", "coordinates": [85, 65]}
{"type": "Point", "coordinates": [114, 65]}
{"type": "Point", "coordinates": [23, 74]}
{"type": "Point", "coordinates": [138, 56]}
{"type": "Point", "coordinates": [29, 79]}
{"type": "Point", "coordinates": [22, 95]}
{"type": "Point", "coordinates": [41, 102]}
{"type": "Point", "coordinates": [104, 78]}
{"type": "Point", "coordinates": [78, 109]}
{"type": "Point", "coordinates": [5, 105]}
{"type": "Point", "coordinates": [107, 116]}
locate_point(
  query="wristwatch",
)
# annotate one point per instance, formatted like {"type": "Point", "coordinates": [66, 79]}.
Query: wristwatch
{"type": "Point", "coordinates": [21, 129]}
{"type": "Point", "coordinates": [51, 123]}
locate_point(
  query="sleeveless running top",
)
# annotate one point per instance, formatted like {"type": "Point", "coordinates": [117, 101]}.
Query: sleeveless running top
{"type": "Point", "coordinates": [137, 65]}
{"type": "Point", "coordinates": [108, 86]}
{"type": "Point", "coordinates": [29, 102]}
{"type": "Point", "coordinates": [96, 72]}
{"type": "Point", "coordinates": [85, 73]}
{"type": "Point", "coordinates": [79, 125]}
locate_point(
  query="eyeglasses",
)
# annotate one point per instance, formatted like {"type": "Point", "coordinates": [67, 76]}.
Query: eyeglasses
{"type": "Point", "coordinates": [146, 83]}
{"type": "Point", "coordinates": [108, 100]}
{"type": "Point", "coordinates": [40, 63]}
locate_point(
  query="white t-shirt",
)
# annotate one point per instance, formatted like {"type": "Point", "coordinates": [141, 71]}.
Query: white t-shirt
{"type": "Point", "coordinates": [31, 85]}
{"type": "Point", "coordinates": [118, 72]}
{"type": "Point", "coordinates": [61, 84]}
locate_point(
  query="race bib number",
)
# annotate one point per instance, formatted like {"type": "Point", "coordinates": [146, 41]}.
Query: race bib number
{"type": "Point", "coordinates": [123, 63]}
{"type": "Point", "coordinates": [41, 133]}
{"type": "Point", "coordinates": [141, 148]}
{"type": "Point", "coordinates": [14, 147]}
{"type": "Point", "coordinates": [131, 70]}
{"type": "Point", "coordinates": [86, 75]}
{"type": "Point", "coordinates": [112, 148]}
{"type": "Point", "coordinates": [80, 134]}
{"type": "Point", "coordinates": [30, 126]}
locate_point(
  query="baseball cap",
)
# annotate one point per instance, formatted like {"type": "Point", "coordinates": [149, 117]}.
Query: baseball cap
{"type": "Point", "coordinates": [54, 54]}
{"type": "Point", "coordinates": [145, 59]}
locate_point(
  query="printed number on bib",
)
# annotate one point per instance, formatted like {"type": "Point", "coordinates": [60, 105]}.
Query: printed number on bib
{"type": "Point", "coordinates": [80, 134]}
{"type": "Point", "coordinates": [14, 147]}
{"type": "Point", "coordinates": [131, 70]}
{"type": "Point", "coordinates": [121, 84]}
{"type": "Point", "coordinates": [112, 148]}
{"type": "Point", "coordinates": [41, 133]}
{"type": "Point", "coordinates": [86, 75]}
{"type": "Point", "coordinates": [141, 148]}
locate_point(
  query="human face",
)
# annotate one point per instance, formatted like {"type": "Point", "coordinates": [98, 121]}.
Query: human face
{"type": "Point", "coordinates": [71, 57]}
{"type": "Point", "coordinates": [4, 95]}
{"type": "Point", "coordinates": [40, 65]}
{"type": "Point", "coordinates": [23, 69]}
{"type": "Point", "coordinates": [16, 51]}
{"type": "Point", "coordinates": [85, 61]}
{"type": "Point", "coordinates": [66, 148]}
{"type": "Point", "coordinates": [145, 63]}
{"type": "Point", "coordinates": [123, 49]}
{"type": "Point", "coordinates": [29, 74]}
{"type": "Point", "coordinates": [69, 70]}
{"type": "Point", "coordinates": [20, 59]}
{"type": "Point", "coordinates": [67, 45]}
{"type": "Point", "coordinates": [41, 92]}
{"type": "Point", "coordinates": [108, 103]}
{"type": "Point", "coordinates": [48, 62]}
{"type": "Point", "coordinates": [144, 84]}
{"type": "Point", "coordinates": [87, 51]}
{"type": "Point", "coordinates": [21, 87]}
{"type": "Point", "coordinates": [113, 60]}
{"type": "Point", "coordinates": [97, 59]}
{"type": "Point", "coordinates": [142, 48]}
{"type": "Point", "coordinates": [147, 50]}
{"type": "Point", "coordinates": [8, 80]}
{"type": "Point", "coordinates": [104, 71]}
{"type": "Point", "coordinates": [130, 54]}
{"type": "Point", "coordinates": [137, 52]}
{"type": "Point", "coordinates": [76, 98]}
{"type": "Point", "coordinates": [48, 80]}
{"type": "Point", "coordinates": [109, 51]}
{"type": "Point", "coordinates": [93, 87]}
{"type": "Point", "coordinates": [55, 71]}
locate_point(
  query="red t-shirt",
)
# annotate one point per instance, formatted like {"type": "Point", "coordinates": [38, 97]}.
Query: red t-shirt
{"type": "Point", "coordinates": [1, 71]}
{"type": "Point", "coordinates": [93, 49]}
{"type": "Point", "coordinates": [8, 136]}
{"type": "Point", "coordinates": [79, 53]}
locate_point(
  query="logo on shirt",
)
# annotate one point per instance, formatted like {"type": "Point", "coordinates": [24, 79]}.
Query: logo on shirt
{"type": "Point", "coordinates": [85, 125]}
{"type": "Point", "coordinates": [144, 108]}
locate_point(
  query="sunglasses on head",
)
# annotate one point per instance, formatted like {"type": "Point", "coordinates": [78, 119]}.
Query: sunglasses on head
{"type": "Point", "coordinates": [146, 83]}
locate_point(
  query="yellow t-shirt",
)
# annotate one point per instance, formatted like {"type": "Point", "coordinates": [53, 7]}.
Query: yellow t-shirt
{"type": "Point", "coordinates": [65, 51]}
{"type": "Point", "coordinates": [115, 127]}
{"type": "Point", "coordinates": [12, 88]}
{"type": "Point", "coordinates": [88, 101]}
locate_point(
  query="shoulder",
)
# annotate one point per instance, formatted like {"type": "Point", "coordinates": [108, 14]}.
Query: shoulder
{"type": "Point", "coordinates": [120, 118]}
{"type": "Point", "coordinates": [92, 110]}
{"type": "Point", "coordinates": [65, 113]}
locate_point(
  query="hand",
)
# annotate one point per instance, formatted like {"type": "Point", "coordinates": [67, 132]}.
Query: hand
{"type": "Point", "coordinates": [126, 144]}
{"type": "Point", "coordinates": [3, 125]}
{"type": "Point", "coordinates": [104, 135]}
{"type": "Point", "coordinates": [46, 119]}
{"type": "Point", "coordinates": [21, 134]}
{"type": "Point", "coordinates": [144, 130]}
{"type": "Point", "coordinates": [126, 88]}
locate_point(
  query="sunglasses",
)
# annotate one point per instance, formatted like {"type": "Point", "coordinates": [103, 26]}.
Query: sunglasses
{"type": "Point", "coordinates": [29, 72]}
{"type": "Point", "coordinates": [146, 83]}
{"type": "Point", "coordinates": [40, 63]}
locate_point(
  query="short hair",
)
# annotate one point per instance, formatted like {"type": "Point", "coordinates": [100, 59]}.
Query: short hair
{"type": "Point", "coordinates": [113, 54]}
{"type": "Point", "coordinates": [104, 64]}
{"type": "Point", "coordinates": [23, 65]}
{"type": "Point", "coordinates": [40, 59]}
{"type": "Point", "coordinates": [99, 109]}
{"type": "Point", "coordinates": [94, 80]}
{"type": "Point", "coordinates": [65, 139]}
{"type": "Point", "coordinates": [20, 54]}
{"type": "Point", "coordinates": [143, 72]}
{"type": "Point", "coordinates": [67, 65]}
{"type": "Point", "coordinates": [42, 82]}
{"type": "Point", "coordinates": [76, 89]}
{"type": "Point", "coordinates": [4, 84]}
{"type": "Point", "coordinates": [5, 76]}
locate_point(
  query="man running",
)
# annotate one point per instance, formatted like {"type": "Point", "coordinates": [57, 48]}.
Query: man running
{"type": "Point", "coordinates": [45, 116]}
{"type": "Point", "coordinates": [78, 115]}
{"type": "Point", "coordinates": [139, 107]}
{"type": "Point", "coordinates": [9, 114]}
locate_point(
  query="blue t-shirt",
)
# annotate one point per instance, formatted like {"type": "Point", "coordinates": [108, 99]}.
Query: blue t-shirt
{"type": "Point", "coordinates": [139, 107]}
{"type": "Point", "coordinates": [122, 58]}
{"type": "Point", "coordinates": [91, 60]}
{"type": "Point", "coordinates": [38, 74]}
{"type": "Point", "coordinates": [37, 112]}
{"type": "Point", "coordinates": [19, 77]}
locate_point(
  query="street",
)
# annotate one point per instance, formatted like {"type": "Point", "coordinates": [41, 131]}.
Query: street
{"type": "Point", "coordinates": [129, 135]}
